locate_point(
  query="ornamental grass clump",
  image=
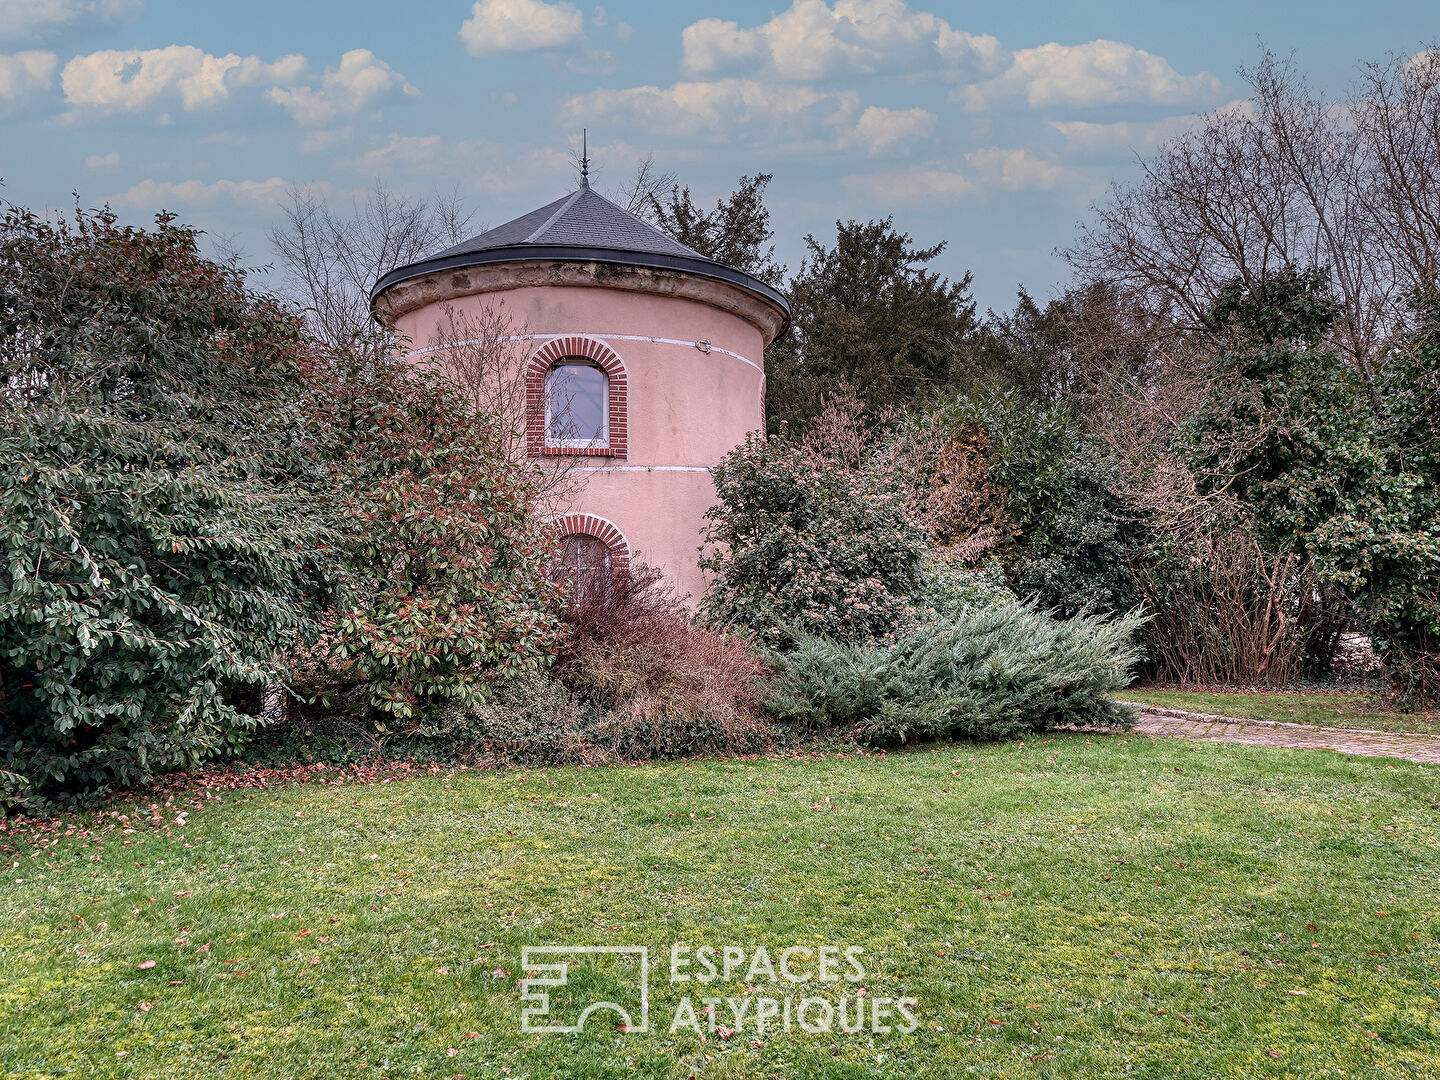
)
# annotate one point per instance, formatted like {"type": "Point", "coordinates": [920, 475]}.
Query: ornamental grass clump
{"type": "Point", "coordinates": [986, 672]}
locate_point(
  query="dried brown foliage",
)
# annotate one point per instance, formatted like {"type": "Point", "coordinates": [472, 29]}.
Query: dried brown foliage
{"type": "Point", "coordinates": [961, 510]}
{"type": "Point", "coordinates": [667, 686]}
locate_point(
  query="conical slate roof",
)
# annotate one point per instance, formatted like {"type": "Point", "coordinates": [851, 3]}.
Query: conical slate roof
{"type": "Point", "coordinates": [582, 226]}
{"type": "Point", "coordinates": [584, 218]}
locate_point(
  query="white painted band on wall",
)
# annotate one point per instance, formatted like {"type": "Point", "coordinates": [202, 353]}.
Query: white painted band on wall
{"type": "Point", "coordinates": [583, 333]}
{"type": "Point", "coordinates": [637, 468]}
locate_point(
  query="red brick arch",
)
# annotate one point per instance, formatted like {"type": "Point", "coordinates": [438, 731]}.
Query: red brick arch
{"type": "Point", "coordinates": [606, 532]}
{"type": "Point", "coordinates": [608, 361]}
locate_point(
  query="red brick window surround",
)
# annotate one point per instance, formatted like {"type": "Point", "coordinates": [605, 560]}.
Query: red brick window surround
{"type": "Point", "coordinates": [569, 347]}
{"type": "Point", "coordinates": [580, 524]}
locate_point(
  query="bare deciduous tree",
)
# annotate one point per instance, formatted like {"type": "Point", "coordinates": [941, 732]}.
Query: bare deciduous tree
{"type": "Point", "coordinates": [333, 256]}
{"type": "Point", "coordinates": [639, 195]}
{"type": "Point", "coordinates": [1287, 178]}
{"type": "Point", "coordinates": [485, 351]}
{"type": "Point", "coordinates": [1397, 114]}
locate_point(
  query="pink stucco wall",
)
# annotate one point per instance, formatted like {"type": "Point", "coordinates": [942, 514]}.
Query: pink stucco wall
{"type": "Point", "coordinates": [686, 407]}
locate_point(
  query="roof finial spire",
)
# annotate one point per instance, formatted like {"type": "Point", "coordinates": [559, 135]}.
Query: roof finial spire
{"type": "Point", "coordinates": [584, 158]}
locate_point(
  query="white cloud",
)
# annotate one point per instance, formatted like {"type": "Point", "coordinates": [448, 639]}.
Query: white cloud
{"type": "Point", "coordinates": [714, 109]}
{"type": "Point", "coordinates": [326, 138]}
{"type": "Point", "coordinates": [421, 154]}
{"type": "Point", "coordinates": [129, 80]}
{"type": "Point", "coordinates": [1016, 170]}
{"type": "Point", "coordinates": [922, 185]}
{"type": "Point", "coordinates": [361, 79]}
{"type": "Point", "coordinates": [593, 62]}
{"type": "Point", "coordinates": [501, 26]}
{"type": "Point", "coordinates": [1097, 73]}
{"type": "Point", "coordinates": [158, 194]}
{"type": "Point", "coordinates": [811, 40]}
{"type": "Point", "coordinates": [479, 164]}
{"type": "Point", "coordinates": [25, 72]}
{"type": "Point", "coordinates": [880, 129]}
{"type": "Point", "coordinates": [1423, 64]}
{"type": "Point", "coordinates": [990, 168]}
{"type": "Point", "coordinates": [1086, 137]}
{"type": "Point", "coordinates": [102, 161]}
{"type": "Point", "coordinates": [45, 20]}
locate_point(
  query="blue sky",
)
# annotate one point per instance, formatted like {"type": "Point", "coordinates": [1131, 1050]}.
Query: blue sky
{"type": "Point", "coordinates": [991, 126]}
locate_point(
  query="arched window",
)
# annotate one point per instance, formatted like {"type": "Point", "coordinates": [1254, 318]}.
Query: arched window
{"type": "Point", "coordinates": [585, 564]}
{"type": "Point", "coordinates": [575, 400]}
{"type": "Point", "coordinates": [577, 405]}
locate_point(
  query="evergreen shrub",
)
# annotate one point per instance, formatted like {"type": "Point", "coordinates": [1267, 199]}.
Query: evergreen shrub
{"type": "Point", "coordinates": [987, 672]}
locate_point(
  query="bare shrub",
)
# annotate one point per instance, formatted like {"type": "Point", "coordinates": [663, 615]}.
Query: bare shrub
{"type": "Point", "coordinates": [847, 431]}
{"type": "Point", "coordinates": [1224, 611]}
{"type": "Point", "coordinates": [665, 686]}
{"type": "Point", "coordinates": [483, 350]}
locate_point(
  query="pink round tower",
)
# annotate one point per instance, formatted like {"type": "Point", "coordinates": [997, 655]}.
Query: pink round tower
{"type": "Point", "coordinates": [641, 363]}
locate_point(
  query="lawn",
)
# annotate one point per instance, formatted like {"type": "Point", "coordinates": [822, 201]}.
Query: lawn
{"type": "Point", "coordinates": [1079, 906]}
{"type": "Point", "coordinates": [1320, 707]}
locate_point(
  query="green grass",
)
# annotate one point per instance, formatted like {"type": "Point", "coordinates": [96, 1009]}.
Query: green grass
{"type": "Point", "coordinates": [1082, 906]}
{"type": "Point", "coordinates": [1319, 707]}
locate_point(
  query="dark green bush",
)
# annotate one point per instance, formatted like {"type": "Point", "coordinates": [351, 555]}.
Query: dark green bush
{"type": "Point", "coordinates": [1058, 525]}
{"type": "Point", "coordinates": [989, 672]}
{"type": "Point", "coordinates": [800, 545]}
{"type": "Point", "coordinates": [156, 554]}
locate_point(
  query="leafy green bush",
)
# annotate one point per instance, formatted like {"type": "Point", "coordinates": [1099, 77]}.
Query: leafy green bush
{"type": "Point", "coordinates": [445, 583]}
{"type": "Point", "coordinates": [1334, 469]}
{"type": "Point", "coordinates": [988, 672]}
{"type": "Point", "coordinates": [1053, 518]}
{"type": "Point", "coordinates": [1391, 556]}
{"type": "Point", "coordinates": [156, 554]}
{"type": "Point", "coordinates": [800, 545]}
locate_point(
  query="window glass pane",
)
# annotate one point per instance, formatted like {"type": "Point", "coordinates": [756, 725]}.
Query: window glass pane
{"type": "Point", "coordinates": [585, 563]}
{"type": "Point", "coordinates": [576, 402]}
